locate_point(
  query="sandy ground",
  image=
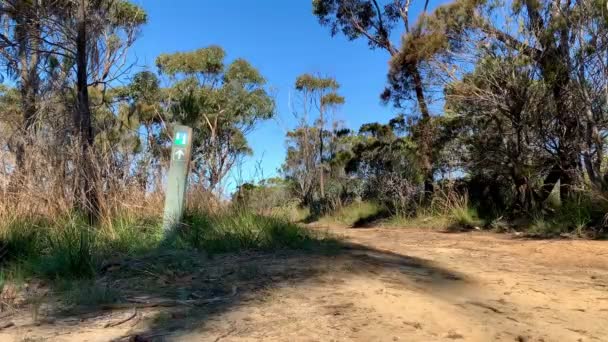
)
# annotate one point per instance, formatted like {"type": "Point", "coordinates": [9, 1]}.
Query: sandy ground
{"type": "Point", "coordinates": [384, 285]}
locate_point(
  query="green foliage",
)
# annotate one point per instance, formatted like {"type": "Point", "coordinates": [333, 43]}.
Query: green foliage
{"type": "Point", "coordinates": [125, 13]}
{"type": "Point", "coordinates": [358, 18]}
{"type": "Point", "coordinates": [308, 82]}
{"type": "Point", "coordinates": [387, 165]}
{"type": "Point", "coordinates": [209, 60]}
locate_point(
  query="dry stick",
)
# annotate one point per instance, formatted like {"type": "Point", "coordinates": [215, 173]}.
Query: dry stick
{"type": "Point", "coordinates": [485, 306]}
{"type": "Point", "coordinates": [225, 335]}
{"type": "Point", "coordinates": [163, 303]}
{"type": "Point", "coordinates": [137, 337]}
{"type": "Point", "coordinates": [111, 325]}
{"type": "Point", "coordinates": [7, 325]}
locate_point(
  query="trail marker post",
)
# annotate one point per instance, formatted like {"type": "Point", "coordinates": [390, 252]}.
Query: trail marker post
{"type": "Point", "coordinates": [178, 176]}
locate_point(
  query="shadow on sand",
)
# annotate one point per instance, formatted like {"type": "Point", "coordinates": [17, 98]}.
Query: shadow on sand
{"type": "Point", "coordinates": [186, 289]}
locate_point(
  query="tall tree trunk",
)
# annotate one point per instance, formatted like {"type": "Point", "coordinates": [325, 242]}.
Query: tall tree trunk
{"type": "Point", "coordinates": [87, 191]}
{"type": "Point", "coordinates": [426, 135]}
{"type": "Point", "coordinates": [321, 169]}
{"type": "Point", "coordinates": [27, 32]}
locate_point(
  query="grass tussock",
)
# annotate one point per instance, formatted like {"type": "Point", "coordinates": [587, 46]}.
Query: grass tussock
{"type": "Point", "coordinates": [353, 213]}
{"type": "Point", "coordinates": [69, 247]}
{"type": "Point", "coordinates": [237, 230]}
{"type": "Point", "coordinates": [447, 211]}
{"type": "Point", "coordinates": [291, 211]}
{"type": "Point", "coordinates": [580, 216]}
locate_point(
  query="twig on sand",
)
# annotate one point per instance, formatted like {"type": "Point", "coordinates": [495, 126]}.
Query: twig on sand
{"type": "Point", "coordinates": [136, 304]}
{"type": "Point", "coordinates": [125, 320]}
{"type": "Point", "coordinates": [6, 325]}
{"type": "Point", "coordinates": [140, 338]}
{"type": "Point", "coordinates": [225, 335]}
{"type": "Point", "coordinates": [485, 306]}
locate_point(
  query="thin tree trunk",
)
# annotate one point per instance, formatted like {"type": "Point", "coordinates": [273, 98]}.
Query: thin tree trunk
{"type": "Point", "coordinates": [87, 191]}
{"type": "Point", "coordinates": [27, 32]}
{"type": "Point", "coordinates": [321, 171]}
{"type": "Point", "coordinates": [425, 141]}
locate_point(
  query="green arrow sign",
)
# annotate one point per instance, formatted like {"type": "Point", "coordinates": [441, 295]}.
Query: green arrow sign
{"type": "Point", "coordinates": [178, 176]}
{"type": "Point", "coordinates": [181, 139]}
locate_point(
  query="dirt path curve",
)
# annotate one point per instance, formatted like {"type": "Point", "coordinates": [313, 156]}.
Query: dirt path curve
{"type": "Point", "coordinates": [394, 285]}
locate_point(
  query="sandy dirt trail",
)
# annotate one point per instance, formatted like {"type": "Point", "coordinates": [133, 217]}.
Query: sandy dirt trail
{"type": "Point", "coordinates": [385, 285]}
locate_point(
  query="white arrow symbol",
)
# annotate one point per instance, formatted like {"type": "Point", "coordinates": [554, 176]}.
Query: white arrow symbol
{"type": "Point", "coordinates": [179, 154]}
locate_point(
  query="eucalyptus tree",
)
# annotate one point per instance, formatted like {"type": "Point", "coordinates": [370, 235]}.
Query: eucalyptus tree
{"type": "Point", "coordinates": [565, 43]}
{"type": "Point", "coordinates": [320, 95]}
{"type": "Point", "coordinates": [301, 165]}
{"type": "Point", "coordinates": [222, 103]}
{"type": "Point", "coordinates": [376, 21]}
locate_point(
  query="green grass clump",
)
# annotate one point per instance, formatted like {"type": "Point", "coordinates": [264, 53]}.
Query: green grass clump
{"type": "Point", "coordinates": [466, 216]}
{"type": "Point", "coordinates": [353, 213]}
{"type": "Point", "coordinates": [69, 251]}
{"type": "Point", "coordinates": [457, 209]}
{"type": "Point", "coordinates": [544, 228]}
{"type": "Point", "coordinates": [131, 235]}
{"type": "Point", "coordinates": [237, 230]}
{"type": "Point", "coordinates": [68, 247]}
{"type": "Point", "coordinates": [577, 215]}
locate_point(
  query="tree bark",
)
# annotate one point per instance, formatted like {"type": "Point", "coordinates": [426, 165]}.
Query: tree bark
{"type": "Point", "coordinates": [425, 142]}
{"type": "Point", "coordinates": [321, 170]}
{"type": "Point", "coordinates": [87, 192]}
{"type": "Point", "coordinates": [27, 31]}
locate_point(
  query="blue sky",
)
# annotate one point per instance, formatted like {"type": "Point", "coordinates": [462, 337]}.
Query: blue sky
{"type": "Point", "coordinates": [283, 40]}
